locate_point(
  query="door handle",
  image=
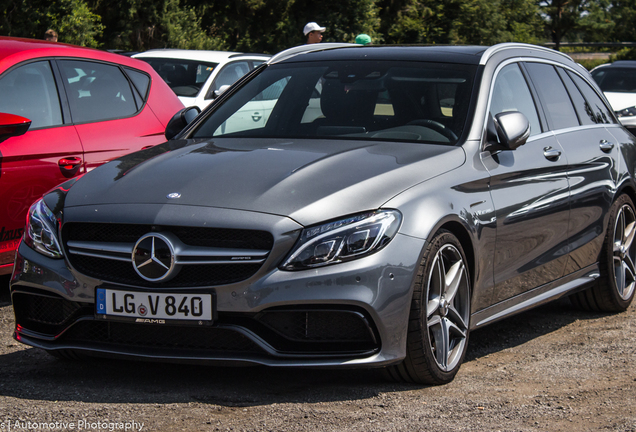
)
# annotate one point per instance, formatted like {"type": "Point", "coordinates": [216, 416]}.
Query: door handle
{"type": "Point", "coordinates": [606, 146]}
{"type": "Point", "coordinates": [551, 154]}
{"type": "Point", "coordinates": [70, 166]}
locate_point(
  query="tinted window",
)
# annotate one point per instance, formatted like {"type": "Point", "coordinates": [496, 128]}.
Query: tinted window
{"type": "Point", "coordinates": [614, 79]}
{"type": "Point", "coordinates": [140, 80]}
{"type": "Point", "coordinates": [185, 77]}
{"type": "Point", "coordinates": [599, 110]}
{"type": "Point", "coordinates": [553, 95]}
{"type": "Point", "coordinates": [96, 91]}
{"type": "Point", "coordinates": [583, 110]}
{"type": "Point", "coordinates": [511, 93]}
{"type": "Point", "coordinates": [30, 91]}
{"type": "Point", "coordinates": [407, 101]}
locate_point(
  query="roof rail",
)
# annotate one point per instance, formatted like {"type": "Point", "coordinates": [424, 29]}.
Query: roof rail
{"type": "Point", "coordinates": [302, 49]}
{"type": "Point", "coordinates": [241, 54]}
{"type": "Point", "coordinates": [509, 45]}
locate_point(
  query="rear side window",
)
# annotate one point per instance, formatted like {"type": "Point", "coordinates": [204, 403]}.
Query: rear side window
{"type": "Point", "coordinates": [96, 91]}
{"type": "Point", "coordinates": [554, 97]}
{"type": "Point", "coordinates": [140, 80]}
{"type": "Point", "coordinates": [30, 91]}
{"type": "Point", "coordinates": [599, 110]}
{"type": "Point", "coordinates": [583, 110]}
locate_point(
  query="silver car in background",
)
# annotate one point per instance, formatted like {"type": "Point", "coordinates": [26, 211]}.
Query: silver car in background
{"type": "Point", "coordinates": [394, 199]}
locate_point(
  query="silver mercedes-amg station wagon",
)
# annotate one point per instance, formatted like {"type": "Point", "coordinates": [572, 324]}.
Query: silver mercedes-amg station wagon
{"type": "Point", "coordinates": [342, 206]}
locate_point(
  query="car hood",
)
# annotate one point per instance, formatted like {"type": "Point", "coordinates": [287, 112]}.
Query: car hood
{"type": "Point", "coordinates": [620, 101]}
{"type": "Point", "coordinates": [307, 180]}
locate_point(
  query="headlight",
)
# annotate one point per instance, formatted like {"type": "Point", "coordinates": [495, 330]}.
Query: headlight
{"type": "Point", "coordinates": [343, 240]}
{"type": "Point", "coordinates": [627, 112]}
{"type": "Point", "coordinates": [41, 230]}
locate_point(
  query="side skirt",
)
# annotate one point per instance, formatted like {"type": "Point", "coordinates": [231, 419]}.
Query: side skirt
{"type": "Point", "coordinates": [577, 281]}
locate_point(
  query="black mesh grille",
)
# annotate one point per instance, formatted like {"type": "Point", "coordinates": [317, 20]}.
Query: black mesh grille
{"type": "Point", "coordinates": [211, 339]}
{"type": "Point", "coordinates": [189, 276]}
{"type": "Point", "coordinates": [46, 314]}
{"type": "Point", "coordinates": [341, 326]}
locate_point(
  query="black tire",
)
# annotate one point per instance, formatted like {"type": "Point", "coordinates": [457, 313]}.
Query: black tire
{"type": "Point", "coordinates": [439, 317]}
{"type": "Point", "coordinates": [615, 288]}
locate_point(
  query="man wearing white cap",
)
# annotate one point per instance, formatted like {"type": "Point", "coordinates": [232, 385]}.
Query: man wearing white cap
{"type": "Point", "coordinates": [313, 32]}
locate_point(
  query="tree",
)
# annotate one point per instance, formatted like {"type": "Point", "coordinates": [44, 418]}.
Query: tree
{"type": "Point", "coordinates": [75, 23]}
{"type": "Point", "coordinates": [138, 25]}
{"type": "Point", "coordinates": [270, 26]}
{"type": "Point", "coordinates": [623, 15]}
{"type": "Point", "coordinates": [563, 17]}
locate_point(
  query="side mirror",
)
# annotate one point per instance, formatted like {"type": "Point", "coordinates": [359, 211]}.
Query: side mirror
{"type": "Point", "coordinates": [220, 91]}
{"type": "Point", "coordinates": [13, 125]}
{"type": "Point", "coordinates": [507, 131]}
{"type": "Point", "coordinates": [180, 120]}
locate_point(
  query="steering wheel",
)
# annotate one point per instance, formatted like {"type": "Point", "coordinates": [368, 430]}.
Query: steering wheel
{"type": "Point", "coordinates": [437, 127]}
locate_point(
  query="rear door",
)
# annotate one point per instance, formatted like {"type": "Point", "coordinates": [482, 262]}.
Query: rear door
{"type": "Point", "coordinates": [592, 153]}
{"type": "Point", "coordinates": [48, 154]}
{"type": "Point", "coordinates": [530, 191]}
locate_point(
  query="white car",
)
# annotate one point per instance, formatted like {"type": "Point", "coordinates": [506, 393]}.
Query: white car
{"type": "Point", "coordinates": [618, 82]}
{"type": "Point", "coordinates": [198, 76]}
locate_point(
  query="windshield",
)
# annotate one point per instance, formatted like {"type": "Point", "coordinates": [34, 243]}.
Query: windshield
{"type": "Point", "coordinates": [378, 100]}
{"type": "Point", "coordinates": [619, 80]}
{"type": "Point", "coordinates": [185, 77]}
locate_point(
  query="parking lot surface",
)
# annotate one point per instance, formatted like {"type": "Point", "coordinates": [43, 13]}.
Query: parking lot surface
{"type": "Point", "coordinates": [551, 369]}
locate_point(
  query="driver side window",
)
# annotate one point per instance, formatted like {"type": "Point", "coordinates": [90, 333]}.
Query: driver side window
{"type": "Point", "coordinates": [511, 93]}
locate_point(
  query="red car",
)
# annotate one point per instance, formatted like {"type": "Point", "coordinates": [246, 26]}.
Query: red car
{"type": "Point", "coordinates": [80, 107]}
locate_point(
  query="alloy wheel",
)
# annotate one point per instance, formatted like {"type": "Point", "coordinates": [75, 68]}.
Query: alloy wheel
{"type": "Point", "coordinates": [447, 310]}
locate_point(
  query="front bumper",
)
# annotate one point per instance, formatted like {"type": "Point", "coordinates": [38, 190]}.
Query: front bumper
{"type": "Point", "coordinates": [348, 314]}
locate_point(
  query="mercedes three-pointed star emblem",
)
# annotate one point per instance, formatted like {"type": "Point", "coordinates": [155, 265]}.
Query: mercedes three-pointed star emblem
{"type": "Point", "coordinates": [153, 257]}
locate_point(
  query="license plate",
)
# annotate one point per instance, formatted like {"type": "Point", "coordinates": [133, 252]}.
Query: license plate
{"type": "Point", "coordinates": [153, 307]}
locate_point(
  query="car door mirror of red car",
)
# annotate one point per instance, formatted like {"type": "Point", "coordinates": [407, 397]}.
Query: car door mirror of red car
{"type": "Point", "coordinates": [12, 125]}
{"type": "Point", "coordinates": [507, 131]}
{"type": "Point", "coordinates": [180, 120]}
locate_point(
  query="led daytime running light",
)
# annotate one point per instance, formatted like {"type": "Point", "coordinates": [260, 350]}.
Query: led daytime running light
{"type": "Point", "coordinates": [343, 240]}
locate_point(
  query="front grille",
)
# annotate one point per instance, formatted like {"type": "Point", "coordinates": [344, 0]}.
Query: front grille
{"type": "Point", "coordinates": [190, 276]}
{"type": "Point", "coordinates": [114, 269]}
{"type": "Point", "coordinates": [193, 236]}
{"type": "Point", "coordinates": [210, 339]}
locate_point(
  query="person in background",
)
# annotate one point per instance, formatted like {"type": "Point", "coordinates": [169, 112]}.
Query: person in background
{"type": "Point", "coordinates": [50, 35]}
{"type": "Point", "coordinates": [363, 39]}
{"type": "Point", "coordinates": [313, 32]}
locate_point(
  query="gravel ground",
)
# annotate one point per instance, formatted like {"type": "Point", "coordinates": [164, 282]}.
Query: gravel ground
{"type": "Point", "coordinates": [551, 369]}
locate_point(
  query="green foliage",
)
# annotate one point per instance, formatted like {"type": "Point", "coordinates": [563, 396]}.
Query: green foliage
{"type": "Point", "coordinates": [75, 23]}
{"type": "Point", "coordinates": [182, 28]}
{"type": "Point", "coordinates": [623, 15]}
{"type": "Point", "coordinates": [272, 25]}
{"type": "Point", "coordinates": [624, 54]}
{"type": "Point", "coordinates": [591, 64]}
